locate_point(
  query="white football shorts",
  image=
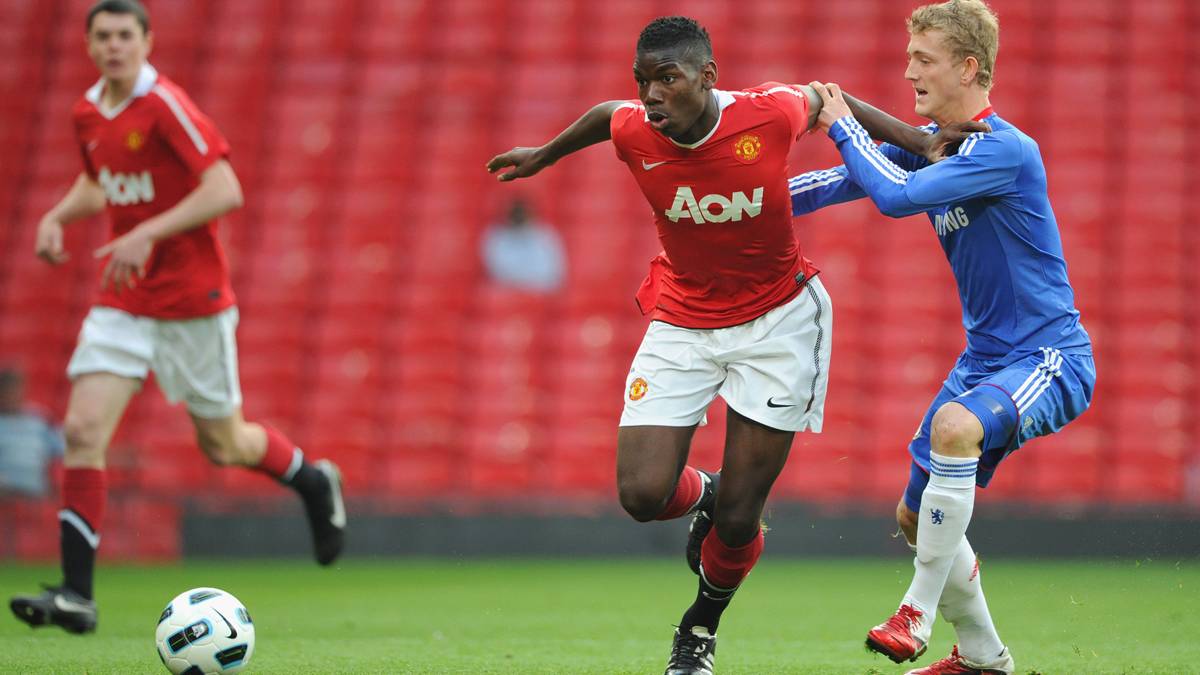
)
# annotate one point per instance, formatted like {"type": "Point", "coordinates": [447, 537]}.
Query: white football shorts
{"type": "Point", "coordinates": [773, 370]}
{"type": "Point", "coordinates": [194, 360]}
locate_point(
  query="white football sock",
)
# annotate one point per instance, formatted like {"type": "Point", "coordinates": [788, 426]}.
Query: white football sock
{"type": "Point", "coordinates": [946, 507]}
{"type": "Point", "coordinates": [964, 606]}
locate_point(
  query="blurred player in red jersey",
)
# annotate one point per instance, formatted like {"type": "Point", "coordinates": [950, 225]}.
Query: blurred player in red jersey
{"type": "Point", "coordinates": [160, 168]}
{"type": "Point", "coordinates": [735, 308]}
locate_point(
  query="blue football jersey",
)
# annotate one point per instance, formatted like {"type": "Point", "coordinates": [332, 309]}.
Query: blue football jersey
{"type": "Point", "coordinates": [991, 213]}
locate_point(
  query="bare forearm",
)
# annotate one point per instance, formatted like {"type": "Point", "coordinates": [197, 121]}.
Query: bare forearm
{"type": "Point", "coordinates": [84, 200]}
{"type": "Point", "coordinates": [883, 127]}
{"type": "Point", "coordinates": [218, 193]}
{"type": "Point", "coordinates": [591, 128]}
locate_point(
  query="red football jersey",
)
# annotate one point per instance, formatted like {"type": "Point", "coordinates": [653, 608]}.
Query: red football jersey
{"type": "Point", "coordinates": [148, 154]}
{"type": "Point", "coordinates": [722, 208]}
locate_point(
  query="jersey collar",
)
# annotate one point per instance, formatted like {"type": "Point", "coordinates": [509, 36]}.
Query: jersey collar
{"type": "Point", "coordinates": [724, 100]}
{"type": "Point", "coordinates": [147, 78]}
{"type": "Point", "coordinates": [984, 114]}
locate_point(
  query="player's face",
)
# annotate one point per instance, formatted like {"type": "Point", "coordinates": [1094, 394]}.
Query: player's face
{"type": "Point", "coordinates": [675, 91]}
{"type": "Point", "coordinates": [117, 45]}
{"type": "Point", "coordinates": [935, 74]}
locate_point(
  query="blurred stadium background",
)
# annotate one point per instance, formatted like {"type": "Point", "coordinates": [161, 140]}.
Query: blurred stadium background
{"type": "Point", "coordinates": [369, 331]}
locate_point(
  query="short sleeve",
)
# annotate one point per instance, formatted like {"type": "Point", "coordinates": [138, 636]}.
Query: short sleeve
{"type": "Point", "coordinates": [83, 151]}
{"type": "Point", "coordinates": [87, 162]}
{"type": "Point", "coordinates": [626, 113]}
{"type": "Point", "coordinates": [189, 132]}
{"type": "Point", "coordinates": [793, 102]}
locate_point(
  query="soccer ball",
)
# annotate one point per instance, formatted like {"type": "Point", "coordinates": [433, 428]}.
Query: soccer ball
{"type": "Point", "coordinates": [204, 631]}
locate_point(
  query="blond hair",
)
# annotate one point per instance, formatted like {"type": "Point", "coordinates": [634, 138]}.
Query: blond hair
{"type": "Point", "coordinates": [970, 28]}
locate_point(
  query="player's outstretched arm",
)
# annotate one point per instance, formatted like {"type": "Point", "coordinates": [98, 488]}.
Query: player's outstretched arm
{"type": "Point", "coordinates": [218, 193]}
{"type": "Point", "coordinates": [83, 200]}
{"type": "Point", "coordinates": [591, 128]}
{"type": "Point", "coordinates": [815, 190]}
{"type": "Point", "coordinates": [933, 147]}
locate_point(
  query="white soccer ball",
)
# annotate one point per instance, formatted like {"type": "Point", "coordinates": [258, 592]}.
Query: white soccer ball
{"type": "Point", "coordinates": [205, 631]}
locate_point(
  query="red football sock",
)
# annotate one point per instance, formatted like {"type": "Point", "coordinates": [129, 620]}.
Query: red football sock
{"type": "Point", "coordinates": [282, 457]}
{"type": "Point", "coordinates": [687, 492]}
{"type": "Point", "coordinates": [725, 567]}
{"type": "Point", "coordinates": [85, 491]}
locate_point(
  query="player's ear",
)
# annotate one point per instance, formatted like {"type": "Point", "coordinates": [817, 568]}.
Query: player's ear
{"type": "Point", "coordinates": [708, 74]}
{"type": "Point", "coordinates": [149, 42]}
{"type": "Point", "coordinates": [970, 69]}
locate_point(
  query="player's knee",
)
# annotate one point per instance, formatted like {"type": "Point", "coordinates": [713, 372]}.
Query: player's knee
{"type": "Point", "coordinates": [643, 500]}
{"type": "Point", "coordinates": [955, 432]}
{"type": "Point", "coordinates": [737, 525]}
{"type": "Point", "coordinates": [218, 448]}
{"type": "Point", "coordinates": [83, 436]}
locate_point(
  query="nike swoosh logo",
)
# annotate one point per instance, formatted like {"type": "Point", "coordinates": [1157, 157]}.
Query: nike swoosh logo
{"type": "Point", "coordinates": [651, 166]}
{"type": "Point", "coordinates": [92, 145]}
{"type": "Point", "coordinates": [772, 404]}
{"type": "Point", "coordinates": [338, 519]}
{"type": "Point", "coordinates": [232, 630]}
{"type": "Point", "coordinates": [69, 605]}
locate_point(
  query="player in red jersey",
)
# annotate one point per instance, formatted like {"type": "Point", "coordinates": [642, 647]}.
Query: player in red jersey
{"type": "Point", "coordinates": [735, 308]}
{"type": "Point", "coordinates": [160, 169]}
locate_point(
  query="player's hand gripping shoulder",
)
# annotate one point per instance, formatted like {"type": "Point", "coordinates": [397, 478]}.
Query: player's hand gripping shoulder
{"type": "Point", "coordinates": [945, 142]}
{"type": "Point", "coordinates": [833, 105]}
{"type": "Point", "coordinates": [933, 147]}
{"type": "Point", "coordinates": [589, 129]}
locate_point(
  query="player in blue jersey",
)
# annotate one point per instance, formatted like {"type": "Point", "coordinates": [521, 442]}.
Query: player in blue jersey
{"type": "Point", "coordinates": [1027, 369]}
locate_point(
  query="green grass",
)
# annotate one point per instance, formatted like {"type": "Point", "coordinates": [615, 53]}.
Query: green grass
{"type": "Point", "coordinates": [596, 616]}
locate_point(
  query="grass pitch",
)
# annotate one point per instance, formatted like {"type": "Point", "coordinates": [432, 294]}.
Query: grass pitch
{"type": "Point", "coordinates": [608, 617]}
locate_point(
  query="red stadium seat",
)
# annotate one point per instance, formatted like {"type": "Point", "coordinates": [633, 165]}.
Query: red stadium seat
{"type": "Point", "coordinates": [369, 329]}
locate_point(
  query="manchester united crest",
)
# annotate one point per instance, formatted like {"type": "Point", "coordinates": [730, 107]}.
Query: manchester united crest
{"type": "Point", "coordinates": [637, 389]}
{"type": "Point", "coordinates": [747, 148]}
{"type": "Point", "coordinates": [135, 140]}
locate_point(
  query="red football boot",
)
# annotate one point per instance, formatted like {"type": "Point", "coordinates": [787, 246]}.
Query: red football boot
{"type": "Point", "coordinates": [957, 665]}
{"type": "Point", "coordinates": [902, 637]}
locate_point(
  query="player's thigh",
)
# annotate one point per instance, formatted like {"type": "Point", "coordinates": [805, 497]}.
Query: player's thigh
{"type": "Point", "coordinates": [111, 359]}
{"type": "Point", "coordinates": [1048, 390]}
{"type": "Point", "coordinates": [1033, 396]}
{"type": "Point", "coordinates": [754, 455]}
{"type": "Point", "coordinates": [673, 378]}
{"type": "Point", "coordinates": [650, 458]}
{"type": "Point", "coordinates": [196, 361]}
{"type": "Point", "coordinates": [778, 364]}
{"type": "Point", "coordinates": [221, 437]}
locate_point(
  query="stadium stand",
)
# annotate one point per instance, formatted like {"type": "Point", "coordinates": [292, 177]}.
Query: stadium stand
{"type": "Point", "coordinates": [360, 130]}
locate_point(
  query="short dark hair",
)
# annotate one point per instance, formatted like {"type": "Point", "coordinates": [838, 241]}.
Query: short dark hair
{"type": "Point", "coordinates": [120, 7]}
{"type": "Point", "coordinates": [677, 32]}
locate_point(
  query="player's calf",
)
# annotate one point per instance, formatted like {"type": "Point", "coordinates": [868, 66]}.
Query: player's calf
{"type": "Point", "coordinates": [702, 519]}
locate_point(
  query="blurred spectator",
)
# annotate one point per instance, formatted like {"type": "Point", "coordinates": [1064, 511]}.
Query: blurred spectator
{"type": "Point", "coordinates": [28, 442]}
{"type": "Point", "coordinates": [523, 252]}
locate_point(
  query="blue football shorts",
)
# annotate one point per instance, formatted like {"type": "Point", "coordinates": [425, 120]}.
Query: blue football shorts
{"type": "Point", "coordinates": [1015, 400]}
